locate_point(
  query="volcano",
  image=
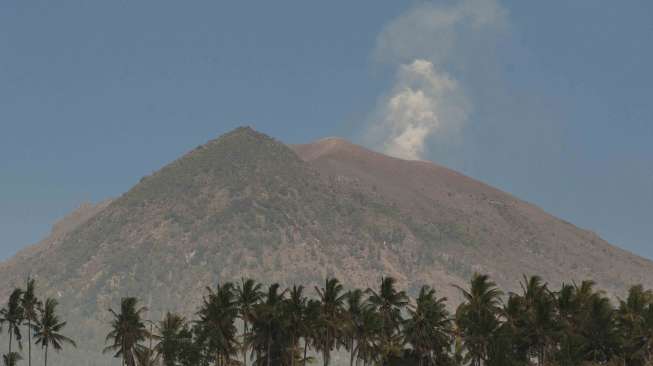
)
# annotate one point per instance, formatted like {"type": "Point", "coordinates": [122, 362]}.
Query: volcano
{"type": "Point", "coordinates": [247, 205]}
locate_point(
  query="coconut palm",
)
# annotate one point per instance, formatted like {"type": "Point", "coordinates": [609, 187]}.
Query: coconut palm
{"type": "Point", "coordinates": [169, 345]}
{"type": "Point", "coordinates": [389, 303]}
{"type": "Point", "coordinates": [583, 298]}
{"type": "Point", "coordinates": [248, 294]}
{"type": "Point", "coordinates": [331, 298]}
{"type": "Point", "coordinates": [30, 304]}
{"type": "Point", "coordinates": [368, 336]}
{"type": "Point", "coordinates": [48, 329]}
{"type": "Point", "coordinates": [217, 318]}
{"type": "Point", "coordinates": [569, 310]}
{"type": "Point", "coordinates": [540, 323]}
{"type": "Point", "coordinates": [353, 312]}
{"type": "Point", "coordinates": [190, 350]}
{"type": "Point", "coordinates": [11, 359]}
{"type": "Point", "coordinates": [295, 310]}
{"type": "Point", "coordinates": [477, 317]}
{"type": "Point", "coordinates": [645, 345]}
{"type": "Point", "coordinates": [127, 331]}
{"type": "Point", "coordinates": [268, 330]}
{"type": "Point", "coordinates": [428, 329]}
{"type": "Point", "coordinates": [600, 332]}
{"type": "Point", "coordinates": [512, 332]}
{"type": "Point", "coordinates": [13, 315]}
{"type": "Point", "coordinates": [632, 317]}
{"type": "Point", "coordinates": [311, 327]}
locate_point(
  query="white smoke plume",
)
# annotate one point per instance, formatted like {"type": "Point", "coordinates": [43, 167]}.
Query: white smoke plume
{"type": "Point", "coordinates": [427, 103]}
{"type": "Point", "coordinates": [422, 102]}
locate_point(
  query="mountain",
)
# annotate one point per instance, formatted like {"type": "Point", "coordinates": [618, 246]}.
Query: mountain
{"type": "Point", "coordinates": [248, 205]}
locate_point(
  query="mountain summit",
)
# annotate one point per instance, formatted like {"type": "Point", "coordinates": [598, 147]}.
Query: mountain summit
{"type": "Point", "coordinates": [246, 205]}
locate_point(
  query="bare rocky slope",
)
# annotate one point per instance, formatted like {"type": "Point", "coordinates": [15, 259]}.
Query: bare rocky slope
{"type": "Point", "coordinates": [247, 205]}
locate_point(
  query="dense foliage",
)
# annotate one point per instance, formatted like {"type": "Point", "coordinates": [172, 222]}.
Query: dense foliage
{"type": "Point", "coordinates": [573, 325]}
{"type": "Point", "coordinates": [248, 323]}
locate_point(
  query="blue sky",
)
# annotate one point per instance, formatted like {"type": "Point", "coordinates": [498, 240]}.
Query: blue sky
{"type": "Point", "coordinates": [550, 101]}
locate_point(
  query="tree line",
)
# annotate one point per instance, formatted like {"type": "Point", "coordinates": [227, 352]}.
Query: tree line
{"type": "Point", "coordinates": [247, 323]}
{"type": "Point", "coordinates": [25, 313]}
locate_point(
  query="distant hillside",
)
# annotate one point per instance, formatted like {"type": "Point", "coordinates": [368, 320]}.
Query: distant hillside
{"type": "Point", "coordinates": [247, 205]}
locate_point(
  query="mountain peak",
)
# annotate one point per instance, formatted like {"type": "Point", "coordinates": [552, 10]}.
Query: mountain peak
{"type": "Point", "coordinates": [245, 131]}
{"type": "Point", "coordinates": [241, 134]}
{"type": "Point", "coordinates": [231, 161]}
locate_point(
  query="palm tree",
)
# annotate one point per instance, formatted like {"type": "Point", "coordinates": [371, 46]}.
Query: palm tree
{"type": "Point", "coordinates": [353, 312]}
{"type": "Point", "coordinates": [589, 322]}
{"type": "Point", "coordinates": [217, 318]}
{"type": "Point", "coordinates": [428, 330]}
{"type": "Point", "coordinates": [127, 331]}
{"type": "Point", "coordinates": [369, 335]}
{"type": "Point", "coordinates": [295, 309]}
{"type": "Point", "coordinates": [267, 333]}
{"type": "Point", "coordinates": [570, 310]}
{"type": "Point", "coordinates": [30, 304]}
{"type": "Point", "coordinates": [11, 359]}
{"type": "Point", "coordinates": [539, 316]}
{"type": "Point", "coordinates": [311, 327]}
{"type": "Point", "coordinates": [331, 298]}
{"type": "Point", "coordinates": [13, 315]}
{"type": "Point", "coordinates": [477, 317]}
{"type": "Point", "coordinates": [632, 317]}
{"type": "Point", "coordinates": [645, 346]}
{"type": "Point", "coordinates": [248, 294]}
{"type": "Point", "coordinates": [189, 351]}
{"type": "Point", "coordinates": [389, 303]}
{"type": "Point", "coordinates": [169, 338]}
{"type": "Point", "coordinates": [602, 340]}
{"type": "Point", "coordinates": [512, 332]}
{"type": "Point", "coordinates": [48, 328]}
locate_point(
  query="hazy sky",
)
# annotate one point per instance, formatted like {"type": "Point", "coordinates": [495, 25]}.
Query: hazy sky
{"type": "Point", "coordinates": [549, 100]}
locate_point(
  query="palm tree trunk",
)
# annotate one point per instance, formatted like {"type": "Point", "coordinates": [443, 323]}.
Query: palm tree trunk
{"type": "Point", "coordinates": [351, 358]}
{"type": "Point", "coordinates": [29, 339]}
{"type": "Point", "coordinates": [269, 345]}
{"type": "Point", "coordinates": [305, 350]}
{"type": "Point", "coordinates": [352, 352]}
{"type": "Point", "coordinates": [244, 342]}
{"type": "Point", "coordinates": [11, 335]}
{"type": "Point", "coordinates": [292, 356]}
{"type": "Point", "coordinates": [46, 354]}
{"type": "Point", "coordinates": [326, 348]}
{"type": "Point", "coordinates": [541, 355]}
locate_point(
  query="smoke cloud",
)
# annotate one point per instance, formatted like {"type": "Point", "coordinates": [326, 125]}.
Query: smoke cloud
{"type": "Point", "coordinates": [426, 103]}
{"type": "Point", "coordinates": [423, 102]}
